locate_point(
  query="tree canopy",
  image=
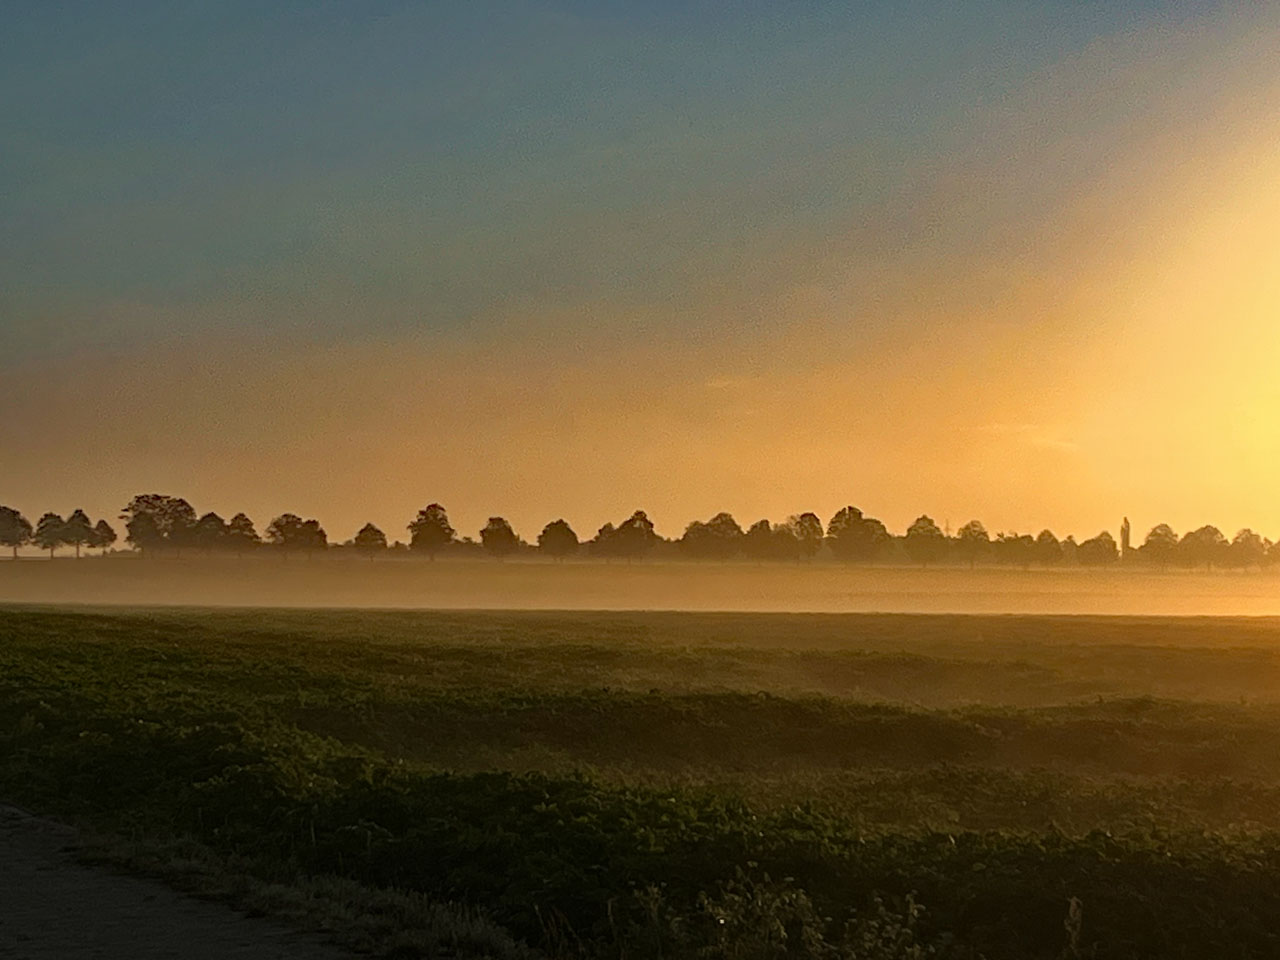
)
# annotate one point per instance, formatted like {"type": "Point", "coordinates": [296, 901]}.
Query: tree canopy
{"type": "Point", "coordinates": [210, 532]}
{"type": "Point", "coordinates": [925, 542]}
{"type": "Point", "coordinates": [430, 530]}
{"type": "Point", "coordinates": [498, 538]}
{"type": "Point", "coordinates": [1099, 551]}
{"type": "Point", "coordinates": [855, 537]}
{"type": "Point", "coordinates": [1205, 547]}
{"type": "Point", "coordinates": [807, 529]}
{"type": "Point", "coordinates": [78, 530]}
{"type": "Point", "coordinates": [160, 523]}
{"type": "Point", "coordinates": [49, 532]}
{"type": "Point", "coordinates": [720, 538]}
{"type": "Point", "coordinates": [156, 520]}
{"type": "Point", "coordinates": [630, 540]}
{"type": "Point", "coordinates": [370, 541]}
{"type": "Point", "coordinates": [104, 535]}
{"type": "Point", "coordinates": [241, 535]}
{"type": "Point", "coordinates": [558, 540]}
{"type": "Point", "coordinates": [1161, 545]}
{"type": "Point", "coordinates": [15, 529]}
{"type": "Point", "coordinates": [972, 542]}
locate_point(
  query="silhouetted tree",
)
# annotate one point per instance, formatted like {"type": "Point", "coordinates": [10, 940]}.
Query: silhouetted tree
{"type": "Point", "coordinates": [104, 535]}
{"type": "Point", "coordinates": [241, 535]}
{"type": "Point", "coordinates": [49, 533]}
{"type": "Point", "coordinates": [370, 541]}
{"type": "Point", "coordinates": [718, 539]}
{"type": "Point", "coordinates": [635, 536]}
{"type": "Point", "coordinates": [15, 530]}
{"type": "Point", "coordinates": [878, 534]}
{"type": "Point", "coordinates": [693, 541]}
{"type": "Point", "coordinates": [143, 532]}
{"type": "Point", "coordinates": [209, 532]}
{"type": "Point", "coordinates": [758, 543]}
{"type": "Point", "coordinates": [430, 531]}
{"type": "Point", "coordinates": [311, 537]}
{"type": "Point", "coordinates": [285, 531]}
{"type": "Point", "coordinates": [1070, 550]}
{"type": "Point", "coordinates": [1048, 551]}
{"type": "Point", "coordinates": [77, 530]}
{"type": "Point", "coordinates": [925, 543]}
{"type": "Point", "coordinates": [498, 538]}
{"type": "Point", "coordinates": [855, 537]}
{"type": "Point", "coordinates": [169, 521]}
{"type": "Point", "coordinates": [1161, 546]}
{"type": "Point", "coordinates": [1099, 551]}
{"type": "Point", "coordinates": [290, 532]}
{"type": "Point", "coordinates": [558, 540]}
{"type": "Point", "coordinates": [973, 542]}
{"type": "Point", "coordinates": [786, 546]}
{"type": "Point", "coordinates": [1248, 549]}
{"type": "Point", "coordinates": [605, 542]}
{"type": "Point", "coordinates": [766, 541]}
{"type": "Point", "coordinates": [1205, 547]}
{"type": "Point", "coordinates": [1013, 549]}
{"type": "Point", "coordinates": [807, 529]}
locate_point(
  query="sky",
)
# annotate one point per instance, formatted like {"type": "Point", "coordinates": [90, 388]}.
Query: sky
{"type": "Point", "coordinates": [1018, 261]}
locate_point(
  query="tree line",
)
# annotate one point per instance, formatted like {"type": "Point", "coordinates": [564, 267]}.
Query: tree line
{"type": "Point", "coordinates": [158, 523]}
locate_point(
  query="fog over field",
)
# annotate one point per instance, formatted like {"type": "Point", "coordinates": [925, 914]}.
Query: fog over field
{"type": "Point", "coordinates": [565, 480]}
{"type": "Point", "coordinates": [744, 587]}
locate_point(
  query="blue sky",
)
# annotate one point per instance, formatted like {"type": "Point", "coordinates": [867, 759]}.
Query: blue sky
{"type": "Point", "coordinates": [430, 162]}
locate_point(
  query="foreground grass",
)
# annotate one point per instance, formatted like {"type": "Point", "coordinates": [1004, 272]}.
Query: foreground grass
{"type": "Point", "coordinates": [665, 785]}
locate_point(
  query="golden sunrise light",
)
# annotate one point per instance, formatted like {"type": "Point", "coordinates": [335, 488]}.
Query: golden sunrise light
{"type": "Point", "coordinates": [1108, 353]}
{"type": "Point", "coordinates": [602, 480]}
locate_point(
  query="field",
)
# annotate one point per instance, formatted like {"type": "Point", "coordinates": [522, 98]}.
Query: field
{"type": "Point", "coordinates": [681, 784]}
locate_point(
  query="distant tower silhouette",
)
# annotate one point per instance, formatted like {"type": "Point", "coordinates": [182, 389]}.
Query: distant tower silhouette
{"type": "Point", "coordinates": [1125, 545]}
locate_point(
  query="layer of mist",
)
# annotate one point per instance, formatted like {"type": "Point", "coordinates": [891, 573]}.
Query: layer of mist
{"type": "Point", "coordinates": [815, 588]}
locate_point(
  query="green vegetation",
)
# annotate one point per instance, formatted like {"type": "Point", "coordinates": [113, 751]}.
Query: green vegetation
{"type": "Point", "coordinates": [681, 785]}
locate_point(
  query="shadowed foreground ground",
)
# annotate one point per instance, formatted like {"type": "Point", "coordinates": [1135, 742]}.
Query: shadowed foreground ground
{"type": "Point", "coordinates": [53, 908]}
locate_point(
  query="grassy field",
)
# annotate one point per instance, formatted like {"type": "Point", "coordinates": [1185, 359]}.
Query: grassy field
{"type": "Point", "coordinates": [684, 784]}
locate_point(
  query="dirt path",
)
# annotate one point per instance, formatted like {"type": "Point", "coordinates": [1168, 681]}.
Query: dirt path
{"type": "Point", "coordinates": [53, 908]}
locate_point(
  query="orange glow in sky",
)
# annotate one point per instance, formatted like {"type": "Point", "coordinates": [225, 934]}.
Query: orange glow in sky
{"type": "Point", "coordinates": [1068, 313]}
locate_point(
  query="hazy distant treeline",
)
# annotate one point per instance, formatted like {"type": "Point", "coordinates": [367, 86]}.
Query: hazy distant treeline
{"type": "Point", "coordinates": [157, 523]}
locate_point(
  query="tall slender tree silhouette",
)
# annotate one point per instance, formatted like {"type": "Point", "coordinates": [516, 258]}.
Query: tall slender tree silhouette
{"type": "Point", "coordinates": [77, 531]}
{"type": "Point", "coordinates": [104, 535]}
{"type": "Point", "coordinates": [49, 533]}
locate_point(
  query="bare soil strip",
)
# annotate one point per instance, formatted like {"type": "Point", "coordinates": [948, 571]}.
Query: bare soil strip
{"type": "Point", "coordinates": [53, 908]}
